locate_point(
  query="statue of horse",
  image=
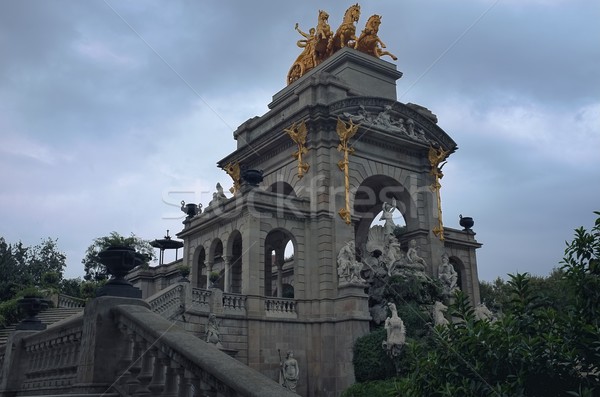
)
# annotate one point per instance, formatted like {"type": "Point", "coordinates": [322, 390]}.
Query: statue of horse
{"type": "Point", "coordinates": [369, 42]}
{"type": "Point", "coordinates": [347, 30]}
{"type": "Point", "coordinates": [323, 37]}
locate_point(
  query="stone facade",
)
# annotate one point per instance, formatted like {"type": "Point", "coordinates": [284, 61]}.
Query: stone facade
{"type": "Point", "coordinates": [243, 237]}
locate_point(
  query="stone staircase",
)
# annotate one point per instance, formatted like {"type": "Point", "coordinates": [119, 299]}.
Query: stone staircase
{"type": "Point", "coordinates": [48, 317]}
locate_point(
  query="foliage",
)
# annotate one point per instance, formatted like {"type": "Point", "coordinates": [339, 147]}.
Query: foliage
{"type": "Point", "coordinates": [546, 343]}
{"type": "Point", "coordinates": [40, 266]}
{"type": "Point", "coordinates": [10, 312]}
{"type": "Point", "coordinates": [96, 271]}
{"type": "Point", "coordinates": [370, 360]}
{"type": "Point", "coordinates": [379, 388]}
{"type": "Point", "coordinates": [411, 288]}
{"type": "Point", "coordinates": [184, 270]}
{"type": "Point", "coordinates": [582, 267]}
{"type": "Point", "coordinates": [552, 290]}
{"type": "Point", "coordinates": [71, 287]}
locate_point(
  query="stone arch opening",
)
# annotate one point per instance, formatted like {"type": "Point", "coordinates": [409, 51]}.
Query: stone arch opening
{"type": "Point", "coordinates": [369, 201]}
{"type": "Point", "coordinates": [200, 269]}
{"type": "Point", "coordinates": [216, 265]}
{"type": "Point", "coordinates": [283, 188]}
{"type": "Point", "coordinates": [279, 267]}
{"type": "Point", "coordinates": [459, 267]}
{"type": "Point", "coordinates": [235, 262]}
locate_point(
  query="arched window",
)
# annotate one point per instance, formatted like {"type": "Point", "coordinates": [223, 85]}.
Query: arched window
{"type": "Point", "coordinates": [279, 264]}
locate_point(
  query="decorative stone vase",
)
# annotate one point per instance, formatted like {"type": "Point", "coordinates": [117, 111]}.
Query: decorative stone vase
{"type": "Point", "coordinates": [32, 305]}
{"type": "Point", "coordinates": [191, 210]}
{"type": "Point", "coordinates": [252, 177]}
{"type": "Point", "coordinates": [119, 261]}
{"type": "Point", "coordinates": [466, 222]}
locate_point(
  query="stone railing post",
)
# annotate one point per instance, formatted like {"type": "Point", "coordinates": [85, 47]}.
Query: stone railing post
{"type": "Point", "coordinates": [216, 301]}
{"type": "Point", "coordinates": [14, 365]}
{"type": "Point", "coordinates": [103, 344]}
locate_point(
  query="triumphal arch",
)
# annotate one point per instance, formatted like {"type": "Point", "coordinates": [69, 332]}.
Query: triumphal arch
{"type": "Point", "coordinates": [335, 152]}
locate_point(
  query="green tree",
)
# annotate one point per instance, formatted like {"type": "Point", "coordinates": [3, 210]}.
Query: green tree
{"type": "Point", "coordinates": [38, 266]}
{"type": "Point", "coordinates": [538, 348]}
{"type": "Point", "coordinates": [96, 271]}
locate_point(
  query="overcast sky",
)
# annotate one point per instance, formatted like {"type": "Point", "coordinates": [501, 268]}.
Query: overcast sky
{"type": "Point", "coordinates": [112, 112]}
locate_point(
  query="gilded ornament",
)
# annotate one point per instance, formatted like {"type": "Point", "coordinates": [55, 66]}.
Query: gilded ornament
{"type": "Point", "coordinates": [320, 42]}
{"type": "Point", "coordinates": [369, 42]}
{"type": "Point", "coordinates": [345, 34]}
{"type": "Point", "coordinates": [436, 156]}
{"type": "Point", "coordinates": [315, 44]}
{"type": "Point", "coordinates": [346, 131]}
{"type": "Point", "coordinates": [298, 134]}
{"type": "Point", "coordinates": [233, 170]}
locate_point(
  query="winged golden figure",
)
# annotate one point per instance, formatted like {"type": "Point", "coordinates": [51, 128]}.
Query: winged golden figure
{"type": "Point", "coordinates": [297, 133]}
{"type": "Point", "coordinates": [346, 130]}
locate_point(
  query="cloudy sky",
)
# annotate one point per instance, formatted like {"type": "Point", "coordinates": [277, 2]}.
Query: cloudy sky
{"type": "Point", "coordinates": [112, 112]}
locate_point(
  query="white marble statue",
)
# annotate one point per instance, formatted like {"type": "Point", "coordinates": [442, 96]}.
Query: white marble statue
{"type": "Point", "coordinates": [483, 313]}
{"type": "Point", "coordinates": [413, 258]}
{"type": "Point", "coordinates": [396, 333]}
{"type": "Point", "coordinates": [438, 313]}
{"type": "Point", "coordinates": [289, 372]}
{"type": "Point", "coordinates": [213, 335]}
{"type": "Point", "coordinates": [387, 216]}
{"type": "Point", "coordinates": [395, 257]}
{"type": "Point", "coordinates": [447, 276]}
{"type": "Point", "coordinates": [348, 267]}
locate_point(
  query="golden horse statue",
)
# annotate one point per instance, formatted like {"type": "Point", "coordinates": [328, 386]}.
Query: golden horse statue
{"type": "Point", "coordinates": [369, 42]}
{"type": "Point", "coordinates": [315, 45]}
{"type": "Point", "coordinates": [347, 30]}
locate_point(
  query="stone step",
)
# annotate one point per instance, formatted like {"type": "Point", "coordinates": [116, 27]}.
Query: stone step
{"type": "Point", "coordinates": [81, 395]}
{"type": "Point", "coordinates": [48, 317]}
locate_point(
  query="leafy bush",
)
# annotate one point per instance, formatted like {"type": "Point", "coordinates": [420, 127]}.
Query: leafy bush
{"type": "Point", "coordinates": [535, 349]}
{"type": "Point", "coordinates": [370, 360]}
{"type": "Point", "coordinates": [9, 311]}
{"type": "Point", "coordinates": [377, 388]}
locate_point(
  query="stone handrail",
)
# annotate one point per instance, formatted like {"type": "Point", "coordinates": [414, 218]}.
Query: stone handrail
{"type": "Point", "coordinates": [201, 299]}
{"type": "Point", "coordinates": [162, 359]}
{"type": "Point", "coordinates": [280, 307]}
{"type": "Point", "coordinates": [70, 301]}
{"type": "Point", "coordinates": [169, 301]}
{"type": "Point", "coordinates": [2, 357]}
{"type": "Point", "coordinates": [234, 303]}
{"type": "Point", "coordinates": [43, 362]}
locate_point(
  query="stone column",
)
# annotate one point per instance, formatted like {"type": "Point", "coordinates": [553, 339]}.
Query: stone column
{"type": "Point", "coordinates": [279, 257]}
{"type": "Point", "coordinates": [227, 274]}
{"type": "Point", "coordinates": [209, 267]}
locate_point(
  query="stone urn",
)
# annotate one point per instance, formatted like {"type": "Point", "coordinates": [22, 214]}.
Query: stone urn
{"type": "Point", "coordinates": [32, 305]}
{"type": "Point", "coordinates": [466, 222]}
{"type": "Point", "coordinates": [252, 177]}
{"type": "Point", "coordinates": [190, 209]}
{"type": "Point", "coordinates": [119, 261]}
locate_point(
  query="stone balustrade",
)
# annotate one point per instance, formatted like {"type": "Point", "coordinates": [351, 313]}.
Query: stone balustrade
{"type": "Point", "coordinates": [234, 303]}
{"type": "Point", "coordinates": [280, 307]}
{"type": "Point", "coordinates": [70, 301]}
{"type": "Point", "coordinates": [2, 356]}
{"type": "Point", "coordinates": [201, 299]}
{"type": "Point", "coordinates": [163, 360]}
{"type": "Point", "coordinates": [42, 362]}
{"type": "Point", "coordinates": [168, 302]}
{"type": "Point", "coordinates": [119, 345]}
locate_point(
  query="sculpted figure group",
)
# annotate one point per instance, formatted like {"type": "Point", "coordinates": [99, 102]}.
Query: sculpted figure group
{"type": "Point", "coordinates": [320, 43]}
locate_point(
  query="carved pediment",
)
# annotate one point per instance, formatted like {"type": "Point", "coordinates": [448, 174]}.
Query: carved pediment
{"type": "Point", "coordinates": [411, 122]}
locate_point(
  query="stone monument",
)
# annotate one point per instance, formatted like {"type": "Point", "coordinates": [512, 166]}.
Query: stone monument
{"type": "Point", "coordinates": [335, 148]}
